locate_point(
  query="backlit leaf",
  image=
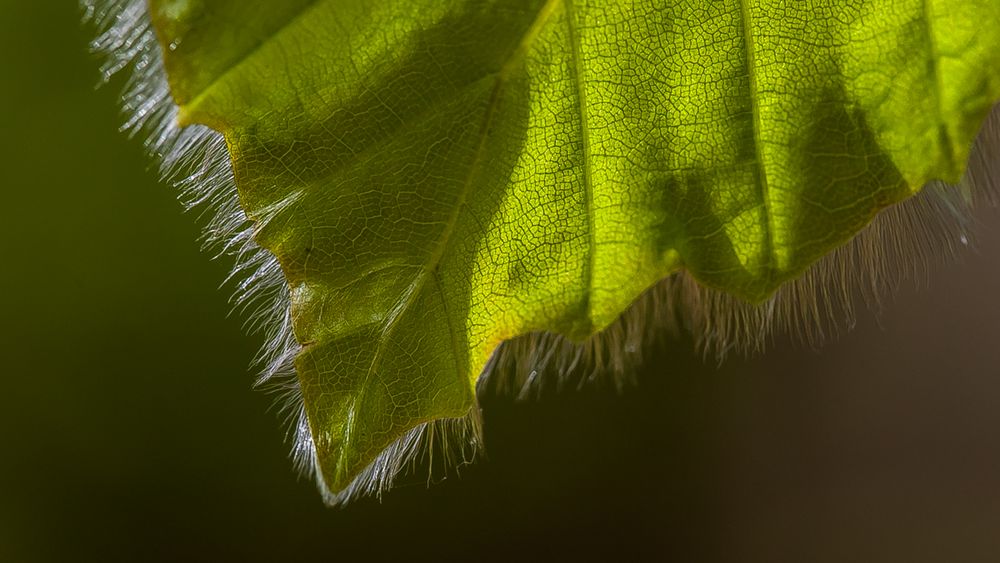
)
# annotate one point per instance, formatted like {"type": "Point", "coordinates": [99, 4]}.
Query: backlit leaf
{"type": "Point", "coordinates": [437, 176]}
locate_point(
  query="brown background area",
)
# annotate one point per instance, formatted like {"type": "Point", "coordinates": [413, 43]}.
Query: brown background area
{"type": "Point", "coordinates": [128, 429]}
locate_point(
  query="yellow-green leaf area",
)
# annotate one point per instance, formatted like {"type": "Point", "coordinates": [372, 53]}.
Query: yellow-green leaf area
{"type": "Point", "coordinates": [436, 176]}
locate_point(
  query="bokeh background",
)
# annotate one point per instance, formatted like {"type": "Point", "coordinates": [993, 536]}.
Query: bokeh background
{"type": "Point", "coordinates": [129, 430]}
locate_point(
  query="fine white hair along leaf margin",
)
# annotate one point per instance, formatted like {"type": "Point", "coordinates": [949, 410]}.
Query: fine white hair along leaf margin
{"type": "Point", "coordinates": [900, 243]}
{"type": "Point", "coordinates": [196, 161]}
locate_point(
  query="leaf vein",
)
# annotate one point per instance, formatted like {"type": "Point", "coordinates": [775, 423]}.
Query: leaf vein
{"type": "Point", "coordinates": [588, 189]}
{"type": "Point", "coordinates": [760, 176]}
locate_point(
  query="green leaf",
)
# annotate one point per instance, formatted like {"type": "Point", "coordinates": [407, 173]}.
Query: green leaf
{"type": "Point", "coordinates": [437, 176]}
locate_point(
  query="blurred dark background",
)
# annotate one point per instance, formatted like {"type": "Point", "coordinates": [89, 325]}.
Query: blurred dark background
{"type": "Point", "coordinates": [129, 430]}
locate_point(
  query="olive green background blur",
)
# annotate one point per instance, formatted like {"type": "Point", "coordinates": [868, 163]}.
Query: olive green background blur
{"type": "Point", "coordinates": [129, 430]}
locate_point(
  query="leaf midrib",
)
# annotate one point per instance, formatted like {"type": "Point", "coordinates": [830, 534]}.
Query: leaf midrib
{"type": "Point", "coordinates": [409, 296]}
{"type": "Point", "coordinates": [749, 57]}
{"type": "Point", "coordinates": [588, 188]}
{"type": "Point", "coordinates": [944, 138]}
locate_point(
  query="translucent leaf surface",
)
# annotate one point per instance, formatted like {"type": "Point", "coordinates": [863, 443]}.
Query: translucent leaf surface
{"type": "Point", "coordinates": [436, 176]}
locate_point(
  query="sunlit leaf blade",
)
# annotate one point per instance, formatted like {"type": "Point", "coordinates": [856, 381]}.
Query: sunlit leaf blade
{"type": "Point", "coordinates": [436, 176]}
